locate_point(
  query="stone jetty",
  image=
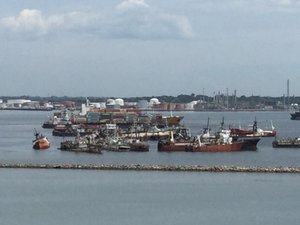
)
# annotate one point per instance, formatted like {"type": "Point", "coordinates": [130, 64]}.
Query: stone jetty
{"type": "Point", "coordinates": [140, 167]}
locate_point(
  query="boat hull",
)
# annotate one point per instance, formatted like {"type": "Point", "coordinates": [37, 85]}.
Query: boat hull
{"type": "Point", "coordinates": [41, 144]}
{"type": "Point", "coordinates": [249, 133]}
{"type": "Point", "coordinates": [174, 147]}
{"type": "Point", "coordinates": [237, 146]}
{"type": "Point", "coordinates": [174, 120]}
{"type": "Point", "coordinates": [295, 116]}
{"type": "Point", "coordinates": [76, 147]}
{"type": "Point", "coordinates": [139, 147]}
{"type": "Point", "coordinates": [47, 125]}
{"type": "Point", "coordinates": [286, 143]}
{"type": "Point", "coordinates": [241, 145]}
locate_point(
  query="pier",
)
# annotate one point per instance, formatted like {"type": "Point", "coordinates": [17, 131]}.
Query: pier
{"type": "Point", "coordinates": [140, 167]}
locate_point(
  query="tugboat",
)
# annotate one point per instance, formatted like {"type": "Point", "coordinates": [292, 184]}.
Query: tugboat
{"type": "Point", "coordinates": [41, 142]}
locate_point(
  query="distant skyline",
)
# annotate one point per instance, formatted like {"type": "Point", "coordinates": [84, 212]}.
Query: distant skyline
{"type": "Point", "coordinates": [133, 48]}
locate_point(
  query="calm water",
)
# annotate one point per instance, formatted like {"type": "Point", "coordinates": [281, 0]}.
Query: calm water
{"type": "Point", "coordinates": [129, 197]}
{"type": "Point", "coordinates": [114, 197]}
{"type": "Point", "coordinates": [16, 134]}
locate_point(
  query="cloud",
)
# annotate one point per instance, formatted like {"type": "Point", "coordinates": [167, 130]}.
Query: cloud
{"type": "Point", "coordinates": [131, 4]}
{"type": "Point", "coordinates": [129, 19]}
{"type": "Point", "coordinates": [136, 19]}
{"type": "Point", "coordinates": [29, 20]}
{"type": "Point", "coordinates": [33, 23]}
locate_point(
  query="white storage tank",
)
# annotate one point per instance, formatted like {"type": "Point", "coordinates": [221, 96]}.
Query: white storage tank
{"type": "Point", "coordinates": [154, 101]}
{"type": "Point", "coordinates": [110, 101]}
{"type": "Point", "coordinates": [119, 102]}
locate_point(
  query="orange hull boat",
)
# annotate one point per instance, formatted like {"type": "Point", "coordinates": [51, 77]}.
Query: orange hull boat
{"type": "Point", "coordinates": [40, 142]}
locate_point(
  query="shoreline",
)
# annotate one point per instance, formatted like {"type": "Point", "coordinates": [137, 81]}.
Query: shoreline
{"type": "Point", "coordinates": [139, 167]}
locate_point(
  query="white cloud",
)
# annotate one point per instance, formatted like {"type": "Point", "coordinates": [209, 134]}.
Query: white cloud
{"type": "Point", "coordinates": [135, 18]}
{"type": "Point", "coordinates": [29, 20]}
{"type": "Point", "coordinates": [32, 21]}
{"type": "Point", "coordinates": [129, 19]}
{"type": "Point", "coordinates": [131, 4]}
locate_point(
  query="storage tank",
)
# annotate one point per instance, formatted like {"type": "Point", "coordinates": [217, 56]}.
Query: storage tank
{"type": "Point", "coordinates": [154, 101]}
{"type": "Point", "coordinates": [110, 101]}
{"type": "Point", "coordinates": [119, 102]}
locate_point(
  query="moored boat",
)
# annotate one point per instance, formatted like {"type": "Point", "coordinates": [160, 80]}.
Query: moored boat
{"type": "Point", "coordinates": [41, 142]}
{"type": "Point", "coordinates": [221, 143]}
{"type": "Point", "coordinates": [152, 133]}
{"type": "Point", "coordinates": [295, 115]}
{"type": "Point", "coordinates": [166, 121]}
{"type": "Point", "coordinates": [62, 117]}
{"type": "Point", "coordinates": [122, 145]}
{"type": "Point", "coordinates": [88, 143]}
{"type": "Point", "coordinates": [65, 130]}
{"type": "Point", "coordinates": [241, 145]}
{"type": "Point", "coordinates": [287, 143]}
{"type": "Point", "coordinates": [254, 132]}
{"type": "Point", "coordinates": [173, 120]}
{"type": "Point", "coordinates": [136, 145]}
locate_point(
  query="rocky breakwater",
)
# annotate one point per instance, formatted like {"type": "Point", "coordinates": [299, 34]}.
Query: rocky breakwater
{"type": "Point", "coordinates": [140, 167]}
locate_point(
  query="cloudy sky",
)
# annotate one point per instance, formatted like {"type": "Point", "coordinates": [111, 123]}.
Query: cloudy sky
{"type": "Point", "coordinates": [126, 48]}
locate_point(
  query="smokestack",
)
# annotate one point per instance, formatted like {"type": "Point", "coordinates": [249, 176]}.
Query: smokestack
{"type": "Point", "coordinates": [288, 93]}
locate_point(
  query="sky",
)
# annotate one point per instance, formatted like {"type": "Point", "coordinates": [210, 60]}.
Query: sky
{"type": "Point", "coordinates": [131, 48]}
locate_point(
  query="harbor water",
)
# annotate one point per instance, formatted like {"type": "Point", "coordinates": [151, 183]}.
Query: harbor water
{"type": "Point", "coordinates": [17, 133]}
{"type": "Point", "coordinates": [69, 197]}
{"type": "Point", "coordinates": [39, 196]}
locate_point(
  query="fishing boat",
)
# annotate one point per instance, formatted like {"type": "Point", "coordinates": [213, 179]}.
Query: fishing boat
{"type": "Point", "coordinates": [239, 145]}
{"type": "Point", "coordinates": [49, 124]}
{"type": "Point", "coordinates": [62, 117]}
{"type": "Point", "coordinates": [41, 142]}
{"type": "Point", "coordinates": [254, 131]}
{"type": "Point", "coordinates": [286, 143]}
{"type": "Point", "coordinates": [295, 115]}
{"type": "Point", "coordinates": [87, 143]}
{"type": "Point", "coordinates": [222, 142]}
{"type": "Point", "coordinates": [65, 130]}
{"type": "Point", "coordinates": [136, 145]}
{"type": "Point", "coordinates": [119, 144]}
{"type": "Point", "coordinates": [151, 133]}
{"type": "Point", "coordinates": [173, 120]}
{"type": "Point", "coordinates": [166, 121]}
